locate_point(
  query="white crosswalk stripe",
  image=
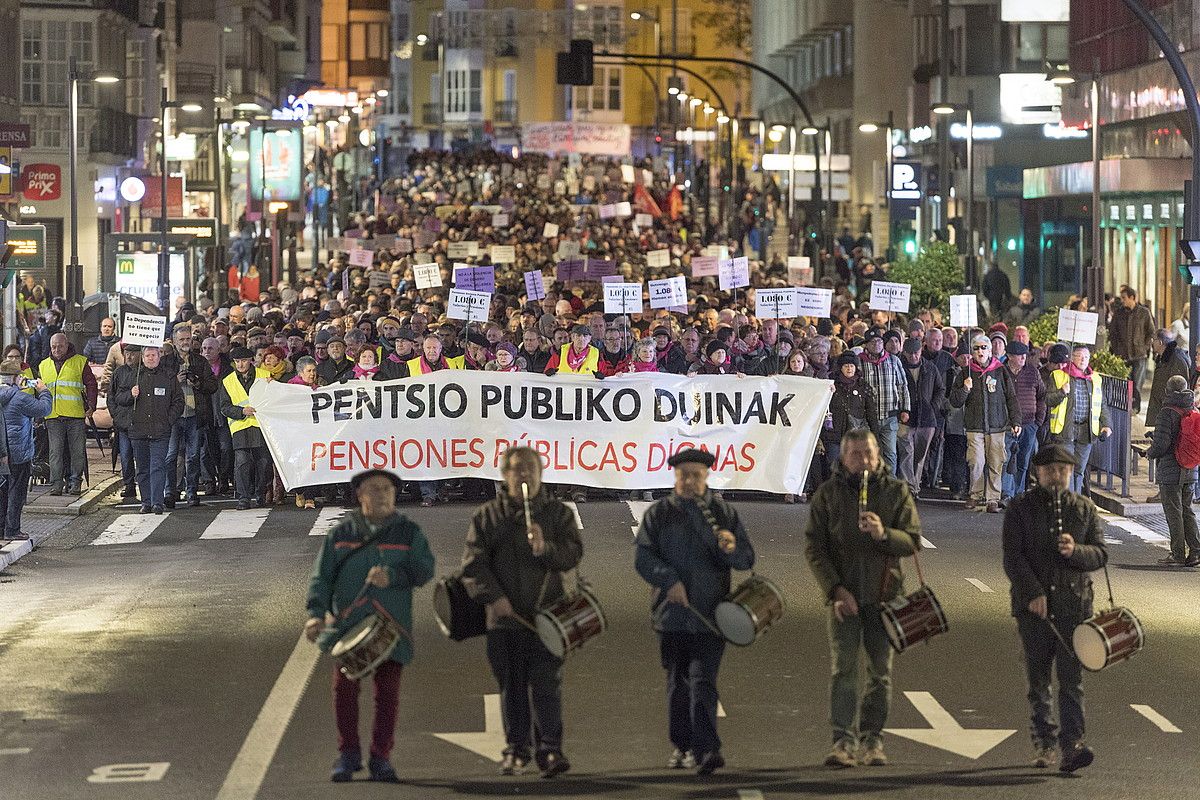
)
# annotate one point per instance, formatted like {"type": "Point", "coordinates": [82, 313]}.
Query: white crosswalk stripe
{"type": "Point", "coordinates": [1137, 529]}
{"type": "Point", "coordinates": [130, 529]}
{"type": "Point", "coordinates": [329, 516]}
{"type": "Point", "coordinates": [236, 524]}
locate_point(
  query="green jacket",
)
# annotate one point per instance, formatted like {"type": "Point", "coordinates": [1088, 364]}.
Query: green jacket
{"type": "Point", "coordinates": [397, 544]}
{"type": "Point", "coordinates": [839, 554]}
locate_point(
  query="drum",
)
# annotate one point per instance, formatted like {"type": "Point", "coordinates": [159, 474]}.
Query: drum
{"type": "Point", "coordinates": [1108, 637]}
{"type": "Point", "coordinates": [566, 625]}
{"type": "Point", "coordinates": [365, 646]}
{"type": "Point", "coordinates": [750, 609]}
{"type": "Point", "coordinates": [912, 619]}
{"type": "Point", "coordinates": [457, 614]}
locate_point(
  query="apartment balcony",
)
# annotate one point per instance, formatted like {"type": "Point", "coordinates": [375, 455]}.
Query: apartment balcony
{"type": "Point", "coordinates": [431, 113]}
{"type": "Point", "coordinates": [281, 26]}
{"type": "Point", "coordinates": [114, 134]}
{"type": "Point", "coordinates": [505, 111]}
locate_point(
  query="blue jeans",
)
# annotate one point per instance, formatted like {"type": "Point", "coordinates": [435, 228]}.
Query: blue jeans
{"type": "Point", "coordinates": [151, 458]}
{"type": "Point", "coordinates": [1020, 450]}
{"type": "Point", "coordinates": [1083, 453]}
{"type": "Point", "coordinates": [886, 434]}
{"type": "Point", "coordinates": [187, 432]}
{"type": "Point", "coordinates": [128, 471]}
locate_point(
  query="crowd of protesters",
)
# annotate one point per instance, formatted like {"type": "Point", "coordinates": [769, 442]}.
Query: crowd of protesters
{"type": "Point", "coordinates": [958, 414]}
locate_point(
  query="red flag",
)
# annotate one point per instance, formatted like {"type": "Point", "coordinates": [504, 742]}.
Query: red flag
{"type": "Point", "coordinates": [644, 203]}
{"type": "Point", "coordinates": [674, 203]}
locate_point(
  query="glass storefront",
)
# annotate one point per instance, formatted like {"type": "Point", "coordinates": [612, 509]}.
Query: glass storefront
{"type": "Point", "coordinates": [1141, 234]}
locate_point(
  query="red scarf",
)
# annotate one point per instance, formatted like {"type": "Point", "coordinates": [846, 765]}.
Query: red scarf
{"type": "Point", "coordinates": [1076, 372]}
{"type": "Point", "coordinates": [575, 361]}
{"type": "Point", "coordinates": [992, 365]}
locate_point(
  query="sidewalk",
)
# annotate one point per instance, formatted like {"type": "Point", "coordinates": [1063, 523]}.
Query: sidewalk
{"type": "Point", "coordinates": [1140, 487]}
{"type": "Point", "coordinates": [45, 514]}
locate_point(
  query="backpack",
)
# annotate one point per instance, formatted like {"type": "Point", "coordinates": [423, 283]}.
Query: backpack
{"type": "Point", "coordinates": [1187, 447]}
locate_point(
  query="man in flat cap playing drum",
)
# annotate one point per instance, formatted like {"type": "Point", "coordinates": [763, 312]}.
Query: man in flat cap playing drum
{"type": "Point", "coordinates": [687, 545]}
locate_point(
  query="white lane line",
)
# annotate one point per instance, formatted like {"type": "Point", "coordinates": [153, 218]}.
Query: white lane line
{"type": "Point", "coordinates": [14, 751]}
{"type": "Point", "coordinates": [328, 517]}
{"type": "Point", "coordinates": [254, 758]}
{"type": "Point", "coordinates": [980, 585]}
{"type": "Point", "coordinates": [638, 509]}
{"type": "Point", "coordinates": [750, 794]}
{"type": "Point", "coordinates": [130, 529]}
{"type": "Point", "coordinates": [236, 524]}
{"type": "Point", "coordinates": [928, 545]}
{"type": "Point", "coordinates": [1165, 725]}
{"type": "Point", "coordinates": [720, 709]}
{"type": "Point", "coordinates": [574, 510]}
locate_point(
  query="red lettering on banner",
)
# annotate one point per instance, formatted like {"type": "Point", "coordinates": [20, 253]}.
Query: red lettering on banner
{"type": "Point", "coordinates": [337, 452]}
{"type": "Point", "coordinates": [406, 463]}
{"type": "Point", "coordinates": [380, 450]}
{"type": "Point", "coordinates": [477, 452]}
{"type": "Point", "coordinates": [319, 451]}
{"type": "Point", "coordinates": [630, 453]}
{"type": "Point", "coordinates": [747, 453]}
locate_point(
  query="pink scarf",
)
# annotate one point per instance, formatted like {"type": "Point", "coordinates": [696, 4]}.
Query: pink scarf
{"type": "Point", "coordinates": [1076, 372]}
{"type": "Point", "coordinates": [994, 364]}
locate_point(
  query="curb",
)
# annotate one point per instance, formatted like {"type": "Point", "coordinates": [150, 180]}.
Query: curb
{"type": "Point", "coordinates": [1124, 506]}
{"type": "Point", "coordinates": [86, 503]}
{"type": "Point", "coordinates": [14, 551]}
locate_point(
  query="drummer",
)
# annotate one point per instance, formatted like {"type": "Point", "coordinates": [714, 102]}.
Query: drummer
{"type": "Point", "coordinates": [687, 558]}
{"type": "Point", "coordinates": [514, 571]}
{"type": "Point", "coordinates": [369, 564]}
{"type": "Point", "coordinates": [855, 559]}
{"type": "Point", "coordinates": [1047, 562]}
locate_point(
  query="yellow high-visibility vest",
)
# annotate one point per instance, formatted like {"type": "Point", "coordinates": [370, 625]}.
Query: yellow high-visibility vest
{"type": "Point", "coordinates": [1058, 415]}
{"type": "Point", "coordinates": [590, 364]}
{"type": "Point", "coordinates": [66, 385]}
{"type": "Point", "coordinates": [417, 366]}
{"type": "Point", "coordinates": [239, 397]}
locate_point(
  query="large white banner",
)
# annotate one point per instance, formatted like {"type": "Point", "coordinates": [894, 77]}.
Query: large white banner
{"type": "Point", "coordinates": [616, 433]}
{"type": "Point", "coordinates": [595, 138]}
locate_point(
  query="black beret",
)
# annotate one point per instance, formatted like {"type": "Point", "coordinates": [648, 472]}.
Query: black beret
{"type": "Point", "coordinates": [692, 455]}
{"type": "Point", "coordinates": [1018, 349]}
{"type": "Point", "coordinates": [1054, 454]}
{"type": "Point", "coordinates": [408, 334]}
{"type": "Point", "coordinates": [872, 334]}
{"type": "Point", "coordinates": [714, 346]}
{"type": "Point", "coordinates": [892, 333]}
{"type": "Point", "coordinates": [825, 327]}
{"type": "Point", "coordinates": [358, 479]}
{"type": "Point", "coordinates": [240, 352]}
{"type": "Point", "coordinates": [847, 358]}
{"type": "Point", "coordinates": [477, 339]}
{"type": "Point", "coordinates": [581, 330]}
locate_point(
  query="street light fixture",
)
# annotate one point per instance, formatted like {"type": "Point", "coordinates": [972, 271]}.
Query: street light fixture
{"type": "Point", "coordinates": [74, 276]}
{"type": "Point", "coordinates": [945, 109]}
{"type": "Point", "coordinates": [887, 126]}
{"type": "Point", "coordinates": [164, 270]}
{"type": "Point", "coordinates": [810, 130]}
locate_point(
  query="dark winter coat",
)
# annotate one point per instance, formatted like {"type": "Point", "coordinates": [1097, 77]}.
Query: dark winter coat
{"type": "Point", "coordinates": [1032, 561]}
{"type": "Point", "coordinates": [96, 349]}
{"type": "Point", "coordinates": [202, 380]}
{"type": "Point", "coordinates": [1172, 361]}
{"type": "Point", "coordinates": [849, 408]}
{"type": "Point", "coordinates": [927, 395]}
{"type": "Point", "coordinates": [1130, 332]}
{"type": "Point", "coordinates": [1165, 437]}
{"type": "Point", "coordinates": [990, 405]}
{"type": "Point", "coordinates": [160, 403]}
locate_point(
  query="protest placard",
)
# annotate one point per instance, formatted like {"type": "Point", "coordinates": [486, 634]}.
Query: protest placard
{"type": "Point", "coordinates": [477, 279]}
{"type": "Point", "coordinates": [569, 270]}
{"type": "Point", "coordinates": [144, 330]}
{"type": "Point", "coordinates": [812, 302]}
{"type": "Point", "coordinates": [775, 303]}
{"type": "Point", "coordinates": [622, 298]}
{"type": "Point", "coordinates": [499, 220]}
{"type": "Point", "coordinates": [468, 305]}
{"type": "Point", "coordinates": [734, 273]}
{"type": "Point", "coordinates": [608, 210]}
{"type": "Point", "coordinates": [668, 292]}
{"type": "Point", "coordinates": [535, 285]}
{"type": "Point", "coordinates": [800, 271]}
{"type": "Point", "coordinates": [427, 276]}
{"type": "Point", "coordinates": [361, 258]}
{"type": "Point", "coordinates": [624, 209]}
{"type": "Point", "coordinates": [887, 296]}
{"type": "Point", "coordinates": [504, 254]}
{"type": "Point", "coordinates": [549, 230]}
{"type": "Point", "coordinates": [964, 310]}
{"type": "Point", "coordinates": [658, 258]}
{"type": "Point", "coordinates": [705, 266]}
{"type": "Point", "coordinates": [644, 221]}
{"type": "Point", "coordinates": [1076, 327]}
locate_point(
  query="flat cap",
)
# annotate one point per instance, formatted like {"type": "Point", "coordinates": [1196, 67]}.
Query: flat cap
{"type": "Point", "coordinates": [240, 352]}
{"type": "Point", "coordinates": [692, 455]}
{"type": "Point", "coordinates": [1054, 454]}
{"type": "Point", "coordinates": [358, 479]}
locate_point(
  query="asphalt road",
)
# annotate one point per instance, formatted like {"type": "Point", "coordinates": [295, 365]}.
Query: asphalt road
{"type": "Point", "coordinates": [166, 664]}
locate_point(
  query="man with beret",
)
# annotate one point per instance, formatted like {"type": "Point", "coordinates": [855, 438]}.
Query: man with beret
{"type": "Point", "coordinates": [579, 356]}
{"type": "Point", "coordinates": [337, 368]}
{"type": "Point", "coordinates": [477, 355]}
{"type": "Point", "coordinates": [395, 363]}
{"type": "Point", "coordinates": [1052, 539]}
{"type": "Point", "coordinates": [515, 571]}
{"type": "Point", "coordinates": [668, 353]}
{"type": "Point", "coordinates": [985, 392]}
{"type": "Point", "coordinates": [687, 544]}
{"type": "Point", "coordinates": [855, 559]}
{"type": "Point", "coordinates": [927, 392]}
{"type": "Point", "coordinates": [1031, 399]}
{"type": "Point", "coordinates": [251, 459]}
{"type": "Point", "coordinates": [370, 563]}
{"type": "Point", "coordinates": [884, 373]}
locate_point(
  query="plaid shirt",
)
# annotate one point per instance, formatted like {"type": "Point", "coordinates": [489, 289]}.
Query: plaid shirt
{"type": "Point", "coordinates": [1081, 392]}
{"type": "Point", "coordinates": [890, 384]}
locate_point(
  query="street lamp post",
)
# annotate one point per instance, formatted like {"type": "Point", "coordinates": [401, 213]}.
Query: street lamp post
{"type": "Point", "coordinates": [164, 268]}
{"type": "Point", "coordinates": [945, 109]}
{"type": "Point", "coordinates": [887, 127]}
{"type": "Point", "coordinates": [74, 276]}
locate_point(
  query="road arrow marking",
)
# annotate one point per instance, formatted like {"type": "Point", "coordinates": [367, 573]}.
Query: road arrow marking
{"type": "Point", "coordinates": [574, 510]}
{"type": "Point", "coordinates": [490, 743]}
{"type": "Point", "coordinates": [14, 751]}
{"type": "Point", "coordinates": [720, 709]}
{"type": "Point", "coordinates": [980, 585]}
{"type": "Point", "coordinates": [945, 733]}
{"type": "Point", "coordinates": [750, 794]}
{"type": "Point", "coordinates": [638, 509]}
{"type": "Point", "coordinates": [1162, 723]}
{"type": "Point", "coordinates": [928, 545]}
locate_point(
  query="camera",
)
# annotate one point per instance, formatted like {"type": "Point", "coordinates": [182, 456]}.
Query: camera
{"type": "Point", "coordinates": [28, 383]}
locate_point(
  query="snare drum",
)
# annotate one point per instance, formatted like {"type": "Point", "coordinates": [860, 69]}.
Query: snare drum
{"type": "Point", "coordinates": [457, 614]}
{"type": "Point", "coordinates": [912, 619]}
{"type": "Point", "coordinates": [1108, 637]}
{"type": "Point", "coordinates": [566, 625]}
{"type": "Point", "coordinates": [750, 609]}
{"type": "Point", "coordinates": [365, 646]}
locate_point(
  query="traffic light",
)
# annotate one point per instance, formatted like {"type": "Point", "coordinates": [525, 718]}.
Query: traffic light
{"type": "Point", "coordinates": [575, 67]}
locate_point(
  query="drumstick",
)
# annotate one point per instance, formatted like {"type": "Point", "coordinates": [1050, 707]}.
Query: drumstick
{"type": "Point", "coordinates": [528, 519]}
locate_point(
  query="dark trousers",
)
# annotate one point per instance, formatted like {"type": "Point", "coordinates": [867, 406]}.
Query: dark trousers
{"type": "Point", "coordinates": [252, 472]}
{"type": "Point", "coordinates": [528, 675]}
{"type": "Point", "coordinates": [387, 703]}
{"type": "Point", "coordinates": [68, 451]}
{"type": "Point", "coordinates": [1043, 653]}
{"type": "Point", "coordinates": [128, 471]}
{"type": "Point", "coordinates": [692, 661]}
{"type": "Point", "coordinates": [1181, 520]}
{"type": "Point", "coordinates": [185, 440]}
{"type": "Point", "coordinates": [14, 488]}
{"type": "Point", "coordinates": [151, 458]}
{"type": "Point", "coordinates": [217, 456]}
{"type": "Point", "coordinates": [958, 472]}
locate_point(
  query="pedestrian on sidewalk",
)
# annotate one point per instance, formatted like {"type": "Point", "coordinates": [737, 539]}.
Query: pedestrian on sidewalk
{"type": "Point", "coordinates": [156, 401]}
{"type": "Point", "coordinates": [1052, 539]}
{"type": "Point", "coordinates": [1129, 336]}
{"type": "Point", "coordinates": [1176, 482]}
{"type": "Point", "coordinates": [1169, 359]}
{"type": "Point", "coordinates": [73, 387]}
{"type": "Point", "coordinates": [378, 556]}
{"type": "Point", "coordinates": [19, 411]}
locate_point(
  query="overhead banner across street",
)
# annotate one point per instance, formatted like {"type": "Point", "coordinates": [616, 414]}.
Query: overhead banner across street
{"type": "Point", "coordinates": [614, 434]}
